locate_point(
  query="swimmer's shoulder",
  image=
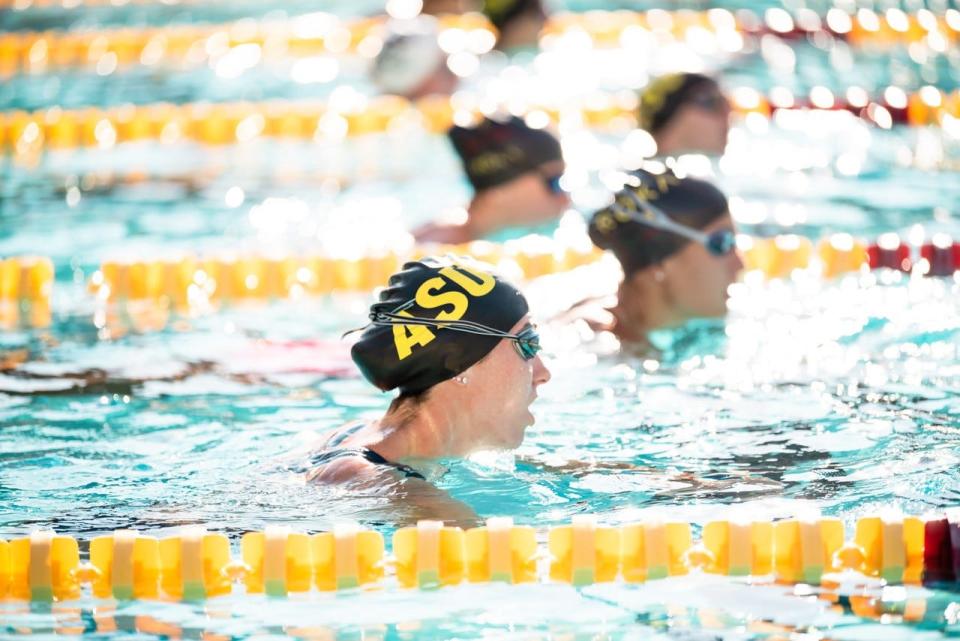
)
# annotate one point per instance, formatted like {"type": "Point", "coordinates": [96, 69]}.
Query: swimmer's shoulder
{"type": "Point", "coordinates": [343, 458]}
{"type": "Point", "coordinates": [345, 469]}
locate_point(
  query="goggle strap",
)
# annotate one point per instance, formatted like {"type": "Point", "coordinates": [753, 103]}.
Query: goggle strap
{"type": "Point", "coordinates": [469, 327]}
{"type": "Point", "coordinates": [659, 220]}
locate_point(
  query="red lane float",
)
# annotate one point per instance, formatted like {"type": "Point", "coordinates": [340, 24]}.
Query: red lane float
{"type": "Point", "coordinates": [839, 254]}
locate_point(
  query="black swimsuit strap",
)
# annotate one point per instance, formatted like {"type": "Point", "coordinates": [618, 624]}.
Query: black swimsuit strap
{"type": "Point", "coordinates": [377, 459]}
{"type": "Point", "coordinates": [365, 453]}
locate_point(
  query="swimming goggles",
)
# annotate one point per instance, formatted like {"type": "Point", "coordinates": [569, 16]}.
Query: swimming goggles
{"type": "Point", "coordinates": [553, 184]}
{"type": "Point", "coordinates": [715, 102]}
{"type": "Point", "coordinates": [719, 243]}
{"type": "Point", "coordinates": [526, 341]}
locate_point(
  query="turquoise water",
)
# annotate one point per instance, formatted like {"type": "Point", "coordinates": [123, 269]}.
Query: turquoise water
{"type": "Point", "coordinates": [839, 396]}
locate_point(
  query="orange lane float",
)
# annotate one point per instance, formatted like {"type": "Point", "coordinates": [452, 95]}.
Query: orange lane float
{"type": "Point", "coordinates": [217, 124]}
{"type": "Point", "coordinates": [152, 289]}
{"type": "Point", "coordinates": [108, 49]}
{"type": "Point", "coordinates": [188, 281]}
{"type": "Point", "coordinates": [889, 549]}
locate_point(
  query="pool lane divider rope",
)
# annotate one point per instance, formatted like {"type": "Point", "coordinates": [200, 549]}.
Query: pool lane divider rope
{"type": "Point", "coordinates": [324, 34]}
{"type": "Point", "coordinates": [144, 293]}
{"type": "Point", "coordinates": [891, 549]}
{"type": "Point", "coordinates": [228, 278]}
{"type": "Point", "coordinates": [26, 134]}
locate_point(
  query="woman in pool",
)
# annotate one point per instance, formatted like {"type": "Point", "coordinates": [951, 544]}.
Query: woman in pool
{"type": "Point", "coordinates": [515, 172]}
{"type": "Point", "coordinates": [457, 343]}
{"type": "Point", "coordinates": [675, 241]}
{"type": "Point", "coordinates": [686, 113]}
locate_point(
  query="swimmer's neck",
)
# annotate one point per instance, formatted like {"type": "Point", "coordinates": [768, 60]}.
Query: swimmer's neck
{"type": "Point", "coordinates": [490, 211]}
{"type": "Point", "coordinates": [642, 306]}
{"type": "Point", "coordinates": [434, 431]}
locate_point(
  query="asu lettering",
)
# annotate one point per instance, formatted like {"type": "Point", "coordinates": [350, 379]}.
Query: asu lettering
{"type": "Point", "coordinates": [452, 304]}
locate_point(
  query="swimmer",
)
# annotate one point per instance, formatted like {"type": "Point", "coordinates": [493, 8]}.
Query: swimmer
{"type": "Point", "coordinates": [411, 63]}
{"type": "Point", "coordinates": [518, 23]}
{"type": "Point", "coordinates": [515, 172]}
{"type": "Point", "coordinates": [686, 113]}
{"type": "Point", "coordinates": [457, 343]}
{"type": "Point", "coordinates": [675, 240]}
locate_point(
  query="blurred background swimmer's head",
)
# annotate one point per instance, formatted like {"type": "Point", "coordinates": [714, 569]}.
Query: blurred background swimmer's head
{"type": "Point", "coordinates": [693, 280]}
{"type": "Point", "coordinates": [518, 22]}
{"type": "Point", "coordinates": [494, 152]}
{"type": "Point", "coordinates": [685, 113]}
{"type": "Point", "coordinates": [411, 63]}
{"type": "Point", "coordinates": [518, 166]}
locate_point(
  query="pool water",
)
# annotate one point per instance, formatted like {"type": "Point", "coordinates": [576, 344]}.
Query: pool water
{"type": "Point", "coordinates": [841, 396]}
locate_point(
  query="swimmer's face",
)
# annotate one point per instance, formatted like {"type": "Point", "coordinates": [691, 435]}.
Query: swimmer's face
{"type": "Point", "coordinates": [533, 198]}
{"type": "Point", "coordinates": [498, 393]}
{"type": "Point", "coordinates": [703, 122]}
{"type": "Point", "coordinates": [696, 281]}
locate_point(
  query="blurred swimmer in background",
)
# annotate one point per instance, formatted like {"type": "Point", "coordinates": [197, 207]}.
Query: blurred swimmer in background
{"type": "Point", "coordinates": [686, 113]}
{"type": "Point", "coordinates": [411, 63]}
{"type": "Point", "coordinates": [515, 172]}
{"type": "Point", "coordinates": [676, 243]}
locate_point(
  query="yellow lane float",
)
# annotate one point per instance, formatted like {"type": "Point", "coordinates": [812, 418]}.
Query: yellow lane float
{"type": "Point", "coordinates": [26, 286]}
{"type": "Point", "coordinates": [57, 129]}
{"type": "Point", "coordinates": [892, 548]}
{"type": "Point", "coordinates": [109, 49]}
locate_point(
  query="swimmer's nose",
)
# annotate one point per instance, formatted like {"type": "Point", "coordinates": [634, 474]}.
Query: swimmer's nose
{"type": "Point", "coordinates": [736, 262]}
{"type": "Point", "coordinates": [540, 372]}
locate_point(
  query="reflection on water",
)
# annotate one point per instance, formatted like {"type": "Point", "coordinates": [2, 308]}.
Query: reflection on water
{"type": "Point", "coordinates": [844, 408]}
{"type": "Point", "coordinates": [797, 403]}
{"type": "Point", "coordinates": [698, 607]}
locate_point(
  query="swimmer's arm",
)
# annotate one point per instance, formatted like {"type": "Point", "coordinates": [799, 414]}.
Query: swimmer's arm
{"type": "Point", "coordinates": [423, 500]}
{"type": "Point", "coordinates": [417, 499]}
{"type": "Point", "coordinates": [687, 482]}
{"type": "Point", "coordinates": [580, 467]}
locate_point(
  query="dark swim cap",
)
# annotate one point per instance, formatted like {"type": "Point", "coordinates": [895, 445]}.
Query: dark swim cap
{"type": "Point", "coordinates": [500, 12]}
{"type": "Point", "coordinates": [688, 201]}
{"type": "Point", "coordinates": [495, 152]}
{"type": "Point", "coordinates": [416, 357]}
{"type": "Point", "coordinates": [664, 96]}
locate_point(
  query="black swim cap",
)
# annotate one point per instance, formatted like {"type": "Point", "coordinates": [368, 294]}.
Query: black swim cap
{"type": "Point", "coordinates": [495, 152]}
{"type": "Point", "coordinates": [500, 12]}
{"type": "Point", "coordinates": [664, 96]}
{"type": "Point", "coordinates": [688, 201]}
{"type": "Point", "coordinates": [415, 357]}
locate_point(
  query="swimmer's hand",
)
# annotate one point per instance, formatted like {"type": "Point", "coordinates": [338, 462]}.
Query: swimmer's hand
{"type": "Point", "coordinates": [578, 468]}
{"type": "Point", "coordinates": [691, 484]}
{"type": "Point", "coordinates": [685, 483]}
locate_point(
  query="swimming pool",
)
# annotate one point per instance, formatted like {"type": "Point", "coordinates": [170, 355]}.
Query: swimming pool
{"type": "Point", "coordinates": [839, 396]}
